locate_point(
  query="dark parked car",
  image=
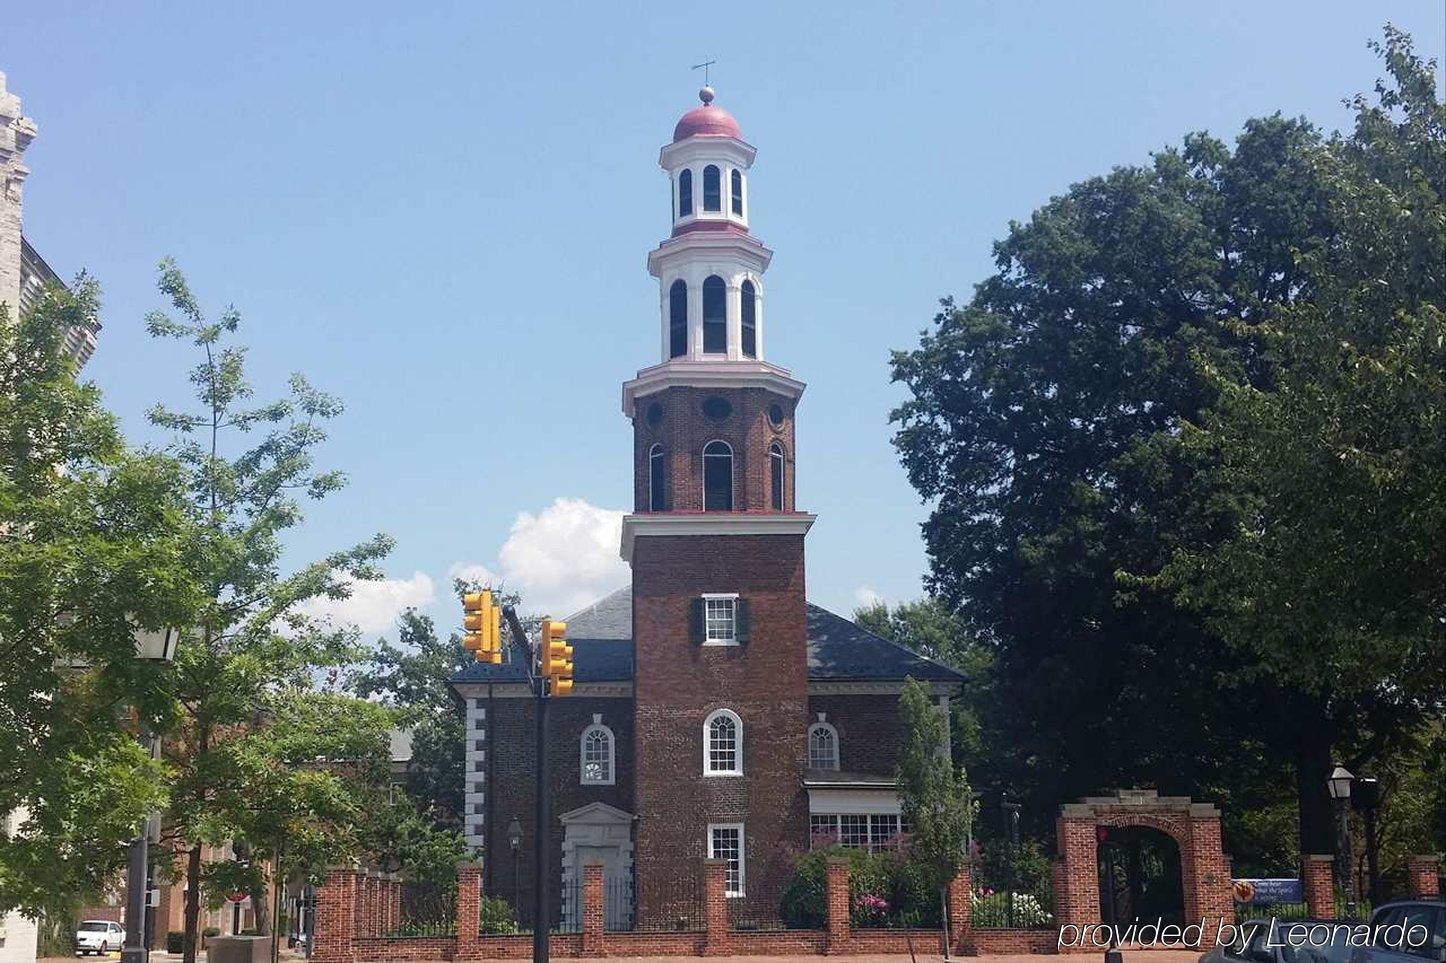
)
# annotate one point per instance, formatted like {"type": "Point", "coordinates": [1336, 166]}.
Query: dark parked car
{"type": "Point", "coordinates": [1261, 946]}
{"type": "Point", "coordinates": [1412, 916]}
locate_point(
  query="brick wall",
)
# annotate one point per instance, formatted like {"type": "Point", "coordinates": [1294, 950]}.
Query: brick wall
{"type": "Point", "coordinates": [677, 683]}
{"type": "Point", "coordinates": [870, 730]}
{"type": "Point", "coordinates": [1423, 876]}
{"type": "Point", "coordinates": [512, 726]}
{"type": "Point", "coordinates": [684, 430]}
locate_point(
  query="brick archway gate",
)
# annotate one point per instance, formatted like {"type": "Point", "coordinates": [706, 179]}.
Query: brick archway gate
{"type": "Point", "coordinates": [1195, 828]}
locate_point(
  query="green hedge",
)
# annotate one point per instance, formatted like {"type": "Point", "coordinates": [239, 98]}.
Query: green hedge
{"type": "Point", "coordinates": [885, 889]}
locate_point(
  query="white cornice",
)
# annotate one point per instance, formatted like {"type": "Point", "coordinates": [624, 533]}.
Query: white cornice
{"type": "Point", "coordinates": [705, 245]}
{"type": "Point", "coordinates": [711, 523]}
{"type": "Point", "coordinates": [692, 150]}
{"type": "Point", "coordinates": [709, 374]}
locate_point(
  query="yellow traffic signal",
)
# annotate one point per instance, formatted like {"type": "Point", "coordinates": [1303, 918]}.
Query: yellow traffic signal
{"type": "Point", "coordinates": [556, 656]}
{"type": "Point", "coordinates": [482, 624]}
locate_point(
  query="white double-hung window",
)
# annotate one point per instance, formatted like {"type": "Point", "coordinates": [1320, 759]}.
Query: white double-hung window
{"type": "Point", "coordinates": [720, 619]}
{"type": "Point", "coordinates": [725, 842]}
{"type": "Point", "coordinates": [722, 744]}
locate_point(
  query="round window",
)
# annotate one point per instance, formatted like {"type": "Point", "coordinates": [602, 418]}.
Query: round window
{"type": "Point", "coordinates": [717, 407]}
{"type": "Point", "coordinates": [655, 414]}
{"type": "Point", "coordinates": [775, 415]}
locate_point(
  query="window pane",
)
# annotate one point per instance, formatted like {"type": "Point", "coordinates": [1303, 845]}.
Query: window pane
{"type": "Point", "coordinates": [678, 319]}
{"type": "Point", "coordinates": [853, 830]}
{"type": "Point", "coordinates": [726, 843]}
{"type": "Point", "coordinates": [737, 191]}
{"type": "Point", "coordinates": [715, 315]}
{"type": "Point", "coordinates": [883, 831]}
{"type": "Point", "coordinates": [822, 831]}
{"type": "Point", "coordinates": [719, 623]}
{"type": "Point", "coordinates": [717, 479]}
{"type": "Point", "coordinates": [596, 756]}
{"type": "Point", "coordinates": [685, 193]}
{"type": "Point", "coordinates": [722, 745]}
{"type": "Point", "coordinates": [749, 305]}
{"type": "Point", "coordinates": [712, 189]}
{"type": "Point", "coordinates": [775, 473]}
{"type": "Point", "coordinates": [656, 480]}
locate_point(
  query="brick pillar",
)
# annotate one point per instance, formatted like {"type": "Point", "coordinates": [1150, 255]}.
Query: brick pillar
{"type": "Point", "coordinates": [336, 918]}
{"type": "Point", "coordinates": [961, 908]}
{"type": "Point", "coordinates": [1317, 879]}
{"type": "Point", "coordinates": [836, 900]}
{"type": "Point", "coordinates": [593, 920]}
{"type": "Point", "coordinates": [469, 903]}
{"type": "Point", "coordinates": [394, 904]}
{"type": "Point", "coordinates": [1077, 882]}
{"type": "Point", "coordinates": [1210, 882]}
{"type": "Point", "coordinates": [1423, 876]}
{"type": "Point", "coordinates": [715, 907]}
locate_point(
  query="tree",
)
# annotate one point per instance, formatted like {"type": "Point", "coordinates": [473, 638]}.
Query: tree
{"type": "Point", "coordinates": [937, 804]}
{"type": "Point", "coordinates": [252, 643]}
{"type": "Point", "coordinates": [926, 626]}
{"type": "Point", "coordinates": [93, 539]}
{"type": "Point", "coordinates": [413, 676]}
{"type": "Point", "coordinates": [1333, 578]}
{"type": "Point", "coordinates": [1047, 422]}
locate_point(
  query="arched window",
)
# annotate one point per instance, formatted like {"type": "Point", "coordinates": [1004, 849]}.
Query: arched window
{"type": "Point", "coordinates": [717, 477]}
{"type": "Point", "coordinates": [736, 183]}
{"type": "Point", "coordinates": [822, 746]}
{"type": "Point", "coordinates": [712, 189]}
{"type": "Point", "coordinates": [597, 754]}
{"type": "Point", "coordinates": [722, 744]}
{"type": "Point", "coordinates": [715, 315]}
{"type": "Point", "coordinates": [775, 475]}
{"type": "Point", "coordinates": [657, 480]}
{"type": "Point", "coordinates": [748, 295]}
{"type": "Point", "coordinates": [678, 319]}
{"type": "Point", "coordinates": [685, 193]}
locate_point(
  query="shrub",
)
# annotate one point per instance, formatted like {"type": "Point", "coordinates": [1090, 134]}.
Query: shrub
{"type": "Point", "coordinates": [175, 942]}
{"type": "Point", "coordinates": [496, 916]}
{"type": "Point", "coordinates": [883, 887]}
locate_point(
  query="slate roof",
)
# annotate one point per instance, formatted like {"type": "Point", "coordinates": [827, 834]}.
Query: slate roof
{"type": "Point", "coordinates": [838, 650]}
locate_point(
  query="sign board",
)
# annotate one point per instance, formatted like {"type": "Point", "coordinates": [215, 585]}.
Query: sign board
{"type": "Point", "coordinates": [153, 897]}
{"type": "Point", "coordinates": [1264, 892]}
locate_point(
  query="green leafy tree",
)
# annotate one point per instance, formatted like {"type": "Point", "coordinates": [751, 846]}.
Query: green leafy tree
{"type": "Point", "coordinates": [928, 627]}
{"type": "Point", "coordinates": [1050, 423]}
{"type": "Point", "coordinates": [93, 542]}
{"type": "Point", "coordinates": [934, 795]}
{"type": "Point", "coordinates": [412, 677]}
{"type": "Point", "coordinates": [245, 468]}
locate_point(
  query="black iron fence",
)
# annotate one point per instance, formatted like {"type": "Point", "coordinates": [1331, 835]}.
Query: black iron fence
{"type": "Point", "coordinates": [1028, 907]}
{"type": "Point", "coordinates": [677, 907]}
{"type": "Point", "coordinates": [427, 909]}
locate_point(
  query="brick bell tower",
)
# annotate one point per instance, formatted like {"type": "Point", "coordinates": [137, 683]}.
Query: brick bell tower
{"type": "Point", "coordinates": [716, 548]}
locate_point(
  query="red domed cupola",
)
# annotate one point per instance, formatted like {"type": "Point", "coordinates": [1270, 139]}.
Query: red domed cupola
{"type": "Point", "coordinates": [707, 120]}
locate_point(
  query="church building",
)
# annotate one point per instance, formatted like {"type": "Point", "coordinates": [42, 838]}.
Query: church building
{"type": "Point", "coordinates": [716, 711]}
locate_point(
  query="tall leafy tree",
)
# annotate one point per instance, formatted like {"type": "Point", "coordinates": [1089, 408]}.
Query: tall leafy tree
{"type": "Point", "coordinates": [93, 539]}
{"type": "Point", "coordinates": [933, 794]}
{"type": "Point", "coordinates": [245, 468]}
{"type": "Point", "coordinates": [1333, 578]}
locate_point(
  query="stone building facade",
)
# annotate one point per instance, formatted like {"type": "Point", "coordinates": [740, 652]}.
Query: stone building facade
{"type": "Point", "coordinates": [716, 712]}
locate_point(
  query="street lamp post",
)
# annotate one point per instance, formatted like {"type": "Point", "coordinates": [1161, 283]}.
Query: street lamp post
{"type": "Point", "coordinates": [1339, 784]}
{"type": "Point", "coordinates": [514, 842]}
{"type": "Point", "coordinates": [150, 647]}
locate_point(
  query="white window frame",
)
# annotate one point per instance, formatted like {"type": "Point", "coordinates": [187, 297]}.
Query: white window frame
{"type": "Point", "coordinates": [731, 597]}
{"type": "Point", "coordinates": [833, 733]}
{"type": "Point", "coordinates": [737, 769]}
{"type": "Point", "coordinates": [657, 500]}
{"type": "Point", "coordinates": [597, 726]}
{"type": "Point", "coordinates": [742, 889]}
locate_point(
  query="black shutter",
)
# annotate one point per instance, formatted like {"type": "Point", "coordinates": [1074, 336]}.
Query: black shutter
{"type": "Point", "coordinates": [740, 620]}
{"type": "Point", "coordinates": [695, 621]}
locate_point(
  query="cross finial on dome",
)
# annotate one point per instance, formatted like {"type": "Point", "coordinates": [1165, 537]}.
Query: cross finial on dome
{"type": "Point", "coordinates": [704, 66]}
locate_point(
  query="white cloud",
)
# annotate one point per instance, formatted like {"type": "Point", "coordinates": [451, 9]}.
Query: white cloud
{"type": "Point", "coordinates": [373, 605]}
{"type": "Point", "coordinates": [560, 559]}
{"type": "Point", "coordinates": [866, 596]}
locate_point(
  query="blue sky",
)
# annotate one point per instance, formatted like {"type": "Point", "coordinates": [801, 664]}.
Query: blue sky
{"type": "Point", "coordinates": [442, 213]}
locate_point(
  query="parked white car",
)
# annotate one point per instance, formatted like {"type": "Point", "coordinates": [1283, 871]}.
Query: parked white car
{"type": "Point", "coordinates": [98, 936]}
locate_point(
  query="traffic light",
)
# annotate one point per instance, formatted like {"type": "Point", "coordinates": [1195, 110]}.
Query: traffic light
{"type": "Point", "coordinates": [556, 656]}
{"type": "Point", "coordinates": [482, 623]}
